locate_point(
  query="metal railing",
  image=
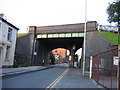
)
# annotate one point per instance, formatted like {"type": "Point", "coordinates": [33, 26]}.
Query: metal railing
{"type": "Point", "coordinates": [104, 70]}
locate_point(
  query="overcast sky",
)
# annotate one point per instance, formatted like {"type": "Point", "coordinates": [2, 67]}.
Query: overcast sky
{"type": "Point", "coordinates": [24, 13]}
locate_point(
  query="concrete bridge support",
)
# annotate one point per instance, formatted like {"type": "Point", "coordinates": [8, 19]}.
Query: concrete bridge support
{"type": "Point", "coordinates": [72, 54]}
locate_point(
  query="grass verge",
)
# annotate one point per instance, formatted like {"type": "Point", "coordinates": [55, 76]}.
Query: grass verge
{"type": "Point", "coordinates": [114, 38]}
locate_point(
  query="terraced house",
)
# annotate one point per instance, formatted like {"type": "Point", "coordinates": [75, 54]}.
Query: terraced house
{"type": "Point", "coordinates": [7, 42]}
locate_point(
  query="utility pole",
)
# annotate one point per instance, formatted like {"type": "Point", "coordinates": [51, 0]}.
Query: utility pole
{"type": "Point", "coordinates": [84, 49]}
{"type": "Point", "coordinates": [33, 46]}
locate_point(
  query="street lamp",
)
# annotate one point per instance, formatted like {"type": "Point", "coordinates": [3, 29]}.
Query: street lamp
{"type": "Point", "coordinates": [74, 47]}
{"type": "Point", "coordinates": [84, 49]}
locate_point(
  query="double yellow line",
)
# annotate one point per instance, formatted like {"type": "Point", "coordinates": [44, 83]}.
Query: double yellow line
{"type": "Point", "coordinates": [57, 80]}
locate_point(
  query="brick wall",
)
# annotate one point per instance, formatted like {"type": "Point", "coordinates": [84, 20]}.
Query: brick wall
{"type": "Point", "coordinates": [23, 49]}
{"type": "Point", "coordinates": [79, 27]}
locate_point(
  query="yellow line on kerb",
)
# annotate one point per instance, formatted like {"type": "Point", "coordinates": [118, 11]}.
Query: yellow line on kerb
{"type": "Point", "coordinates": [20, 72]}
{"type": "Point", "coordinates": [57, 80]}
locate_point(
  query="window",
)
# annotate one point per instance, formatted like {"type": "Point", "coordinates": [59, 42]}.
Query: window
{"type": "Point", "coordinates": [9, 34]}
{"type": "Point", "coordinates": [7, 52]}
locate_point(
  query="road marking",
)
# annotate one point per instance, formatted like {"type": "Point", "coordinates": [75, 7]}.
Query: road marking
{"type": "Point", "coordinates": [57, 80]}
{"type": "Point", "coordinates": [20, 71]}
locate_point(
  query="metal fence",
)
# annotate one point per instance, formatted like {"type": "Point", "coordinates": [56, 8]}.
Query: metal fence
{"type": "Point", "coordinates": [104, 70]}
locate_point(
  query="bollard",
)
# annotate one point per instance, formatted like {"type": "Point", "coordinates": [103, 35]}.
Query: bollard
{"type": "Point", "coordinates": [90, 74]}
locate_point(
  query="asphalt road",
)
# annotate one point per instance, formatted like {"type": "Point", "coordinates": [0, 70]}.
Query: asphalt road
{"type": "Point", "coordinates": [38, 79]}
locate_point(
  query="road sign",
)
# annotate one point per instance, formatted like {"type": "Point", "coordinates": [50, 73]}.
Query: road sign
{"type": "Point", "coordinates": [115, 60]}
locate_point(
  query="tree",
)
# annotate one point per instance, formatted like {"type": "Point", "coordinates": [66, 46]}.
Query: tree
{"type": "Point", "coordinates": [113, 12]}
{"type": "Point", "coordinates": [52, 57]}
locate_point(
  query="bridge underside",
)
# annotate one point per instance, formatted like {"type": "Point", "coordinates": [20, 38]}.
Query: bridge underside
{"type": "Point", "coordinates": [45, 45]}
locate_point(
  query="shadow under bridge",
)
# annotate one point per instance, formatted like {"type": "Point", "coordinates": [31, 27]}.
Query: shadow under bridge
{"type": "Point", "coordinates": [44, 45]}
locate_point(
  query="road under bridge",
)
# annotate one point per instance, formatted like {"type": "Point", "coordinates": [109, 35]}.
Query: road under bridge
{"type": "Point", "coordinates": [47, 38]}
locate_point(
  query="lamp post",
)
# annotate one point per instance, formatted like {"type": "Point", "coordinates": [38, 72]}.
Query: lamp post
{"type": "Point", "coordinates": [84, 49]}
{"type": "Point", "coordinates": [33, 47]}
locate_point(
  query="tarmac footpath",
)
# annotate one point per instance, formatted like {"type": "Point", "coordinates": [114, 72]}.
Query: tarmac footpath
{"type": "Point", "coordinates": [20, 70]}
{"type": "Point", "coordinates": [72, 79]}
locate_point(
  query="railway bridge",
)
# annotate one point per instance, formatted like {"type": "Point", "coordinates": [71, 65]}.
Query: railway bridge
{"type": "Point", "coordinates": [43, 39]}
{"type": "Point", "coordinates": [47, 38]}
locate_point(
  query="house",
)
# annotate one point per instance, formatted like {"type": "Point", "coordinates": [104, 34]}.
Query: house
{"type": "Point", "coordinates": [7, 42]}
{"type": "Point", "coordinates": [60, 55]}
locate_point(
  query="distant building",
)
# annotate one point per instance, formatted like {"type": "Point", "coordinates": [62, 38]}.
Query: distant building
{"type": "Point", "coordinates": [60, 55]}
{"type": "Point", "coordinates": [7, 42]}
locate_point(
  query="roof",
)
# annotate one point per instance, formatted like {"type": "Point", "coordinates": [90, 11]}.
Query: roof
{"type": "Point", "coordinates": [9, 23]}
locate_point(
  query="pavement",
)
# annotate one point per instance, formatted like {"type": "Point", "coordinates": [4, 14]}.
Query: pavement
{"type": "Point", "coordinates": [9, 71]}
{"type": "Point", "coordinates": [73, 78]}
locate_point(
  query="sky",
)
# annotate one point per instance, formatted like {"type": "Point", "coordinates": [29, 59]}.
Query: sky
{"type": "Point", "coordinates": [25, 13]}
